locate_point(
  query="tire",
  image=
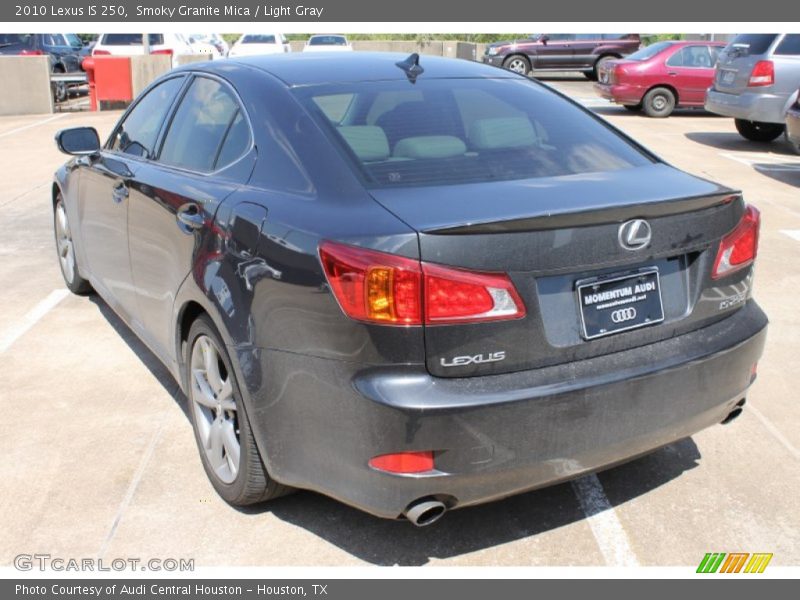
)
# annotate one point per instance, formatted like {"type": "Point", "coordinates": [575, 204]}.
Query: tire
{"type": "Point", "coordinates": [756, 131]}
{"type": "Point", "coordinates": [65, 250]}
{"type": "Point", "coordinates": [659, 102]}
{"type": "Point", "coordinates": [633, 107]}
{"type": "Point", "coordinates": [60, 92]}
{"type": "Point", "coordinates": [593, 74]}
{"type": "Point", "coordinates": [518, 63]}
{"type": "Point", "coordinates": [221, 426]}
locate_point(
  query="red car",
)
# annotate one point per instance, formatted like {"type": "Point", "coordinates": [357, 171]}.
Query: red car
{"type": "Point", "coordinates": [660, 77]}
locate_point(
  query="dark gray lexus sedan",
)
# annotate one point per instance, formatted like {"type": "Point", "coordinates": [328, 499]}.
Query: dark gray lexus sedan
{"type": "Point", "coordinates": [410, 284]}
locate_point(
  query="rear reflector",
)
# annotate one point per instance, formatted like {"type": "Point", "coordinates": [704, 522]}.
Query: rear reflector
{"type": "Point", "coordinates": [738, 249]}
{"type": "Point", "coordinates": [763, 74]}
{"type": "Point", "coordinates": [167, 51]}
{"type": "Point", "coordinates": [403, 462]}
{"type": "Point", "coordinates": [100, 52]}
{"type": "Point", "coordinates": [383, 288]}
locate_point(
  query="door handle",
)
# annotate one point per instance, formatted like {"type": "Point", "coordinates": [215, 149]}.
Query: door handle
{"type": "Point", "coordinates": [119, 192]}
{"type": "Point", "coordinates": [672, 73]}
{"type": "Point", "coordinates": [190, 217]}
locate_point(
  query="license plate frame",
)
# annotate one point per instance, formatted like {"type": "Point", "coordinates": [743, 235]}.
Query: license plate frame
{"type": "Point", "coordinates": [638, 290]}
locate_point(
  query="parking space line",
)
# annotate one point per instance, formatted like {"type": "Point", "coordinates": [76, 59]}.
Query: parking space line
{"type": "Point", "coordinates": [133, 486]}
{"type": "Point", "coordinates": [604, 523]}
{"type": "Point", "coordinates": [792, 233]}
{"type": "Point", "coordinates": [774, 431]}
{"type": "Point", "coordinates": [34, 124]}
{"type": "Point", "coordinates": [16, 331]}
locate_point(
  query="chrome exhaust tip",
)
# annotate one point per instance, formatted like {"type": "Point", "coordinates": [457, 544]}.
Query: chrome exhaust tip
{"type": "Point", "coordinates": [425, 511]}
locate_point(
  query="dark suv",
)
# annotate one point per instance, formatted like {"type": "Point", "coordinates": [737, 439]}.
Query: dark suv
{"type": "Point", "coordinates": [63, 50]}
{"type": "Point", "coordinates": [561, 52]}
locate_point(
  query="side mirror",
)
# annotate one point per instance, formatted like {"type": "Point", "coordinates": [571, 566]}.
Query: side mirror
{"type": "Point", "coordinates": [78, 141]}
{"type": "Point", "coordinates": [544, 39]}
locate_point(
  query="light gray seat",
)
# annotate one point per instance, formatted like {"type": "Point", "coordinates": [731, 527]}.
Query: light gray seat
{"type": "Point", "coordinates": [429, 146]}
{"type": "Point", "coordinates": [502, 132]}
{"type": "Point", "coordinates": [368, 142]}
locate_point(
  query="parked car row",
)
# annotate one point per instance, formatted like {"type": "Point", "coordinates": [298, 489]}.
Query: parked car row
{"type": "Point", "coordinates": [754, 79]}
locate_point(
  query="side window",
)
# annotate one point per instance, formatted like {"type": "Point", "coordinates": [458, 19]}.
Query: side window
{"type": "Point", "coordinates": [789, 45]}
{"type": "Point", "coordinates": [137, 134]}
{"type": "Point", "coordinates": [585, 37]}
{"type": "Point", "coordinates": [208, 130]}
{"type": "Point", "coordinates": [693, 57]}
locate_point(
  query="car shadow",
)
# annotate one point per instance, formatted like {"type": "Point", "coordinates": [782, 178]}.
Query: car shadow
{"type": "Point", "coordinates": [616, 110]}
{"type": "Point", "coordinates": [734, 142]}
{"type": "Point", "coordinates": [788, 173]}
{"type": "Point", "coordinates": [387, 542]}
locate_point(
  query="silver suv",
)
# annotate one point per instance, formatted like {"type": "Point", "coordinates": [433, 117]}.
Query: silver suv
{"type": "Point", "coordinates": [756, 82]}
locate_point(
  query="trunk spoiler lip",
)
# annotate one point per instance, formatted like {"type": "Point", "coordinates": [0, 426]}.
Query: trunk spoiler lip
{"type": "Point", "coordinates": [591, 216]}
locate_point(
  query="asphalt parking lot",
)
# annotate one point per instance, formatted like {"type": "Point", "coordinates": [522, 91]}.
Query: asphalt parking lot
{"type": "Point", "coordinates": [100, 459]}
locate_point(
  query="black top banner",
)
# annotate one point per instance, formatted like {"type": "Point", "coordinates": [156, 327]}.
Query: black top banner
{"type": "Point", "coordinates": [464, 11]}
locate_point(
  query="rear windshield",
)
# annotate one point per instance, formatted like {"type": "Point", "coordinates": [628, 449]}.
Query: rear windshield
{"type": "Point", "coordinates": [327, 40]}
{"type": "Point", "coordinates": [444, 131]}
{"type": "Point", "coordinates": [649, 51]}
{"type": "Point", "coordinates": [258, 39]}
{"type": "Point", "coordinates": [131, 39]}
{"type": "Point", "coordinates": [753, 43]}
{"type": "Point", "coordinates": [7, 39]}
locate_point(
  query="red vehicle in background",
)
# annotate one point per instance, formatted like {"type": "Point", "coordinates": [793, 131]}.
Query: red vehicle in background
{"type": "Point", "coordinates": [661, 77]}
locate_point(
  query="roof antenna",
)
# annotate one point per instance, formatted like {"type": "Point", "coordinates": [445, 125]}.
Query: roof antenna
{"type": "Point", "coordinates": [411, 67]}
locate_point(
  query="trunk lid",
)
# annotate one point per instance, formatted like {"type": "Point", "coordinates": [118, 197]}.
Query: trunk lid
{"type": "Point", "coordinates": [552, 234]}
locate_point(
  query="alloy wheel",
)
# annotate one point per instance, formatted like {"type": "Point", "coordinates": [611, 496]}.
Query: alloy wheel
{"type": "Point", "coordinates": [215, 409]}
{"type": "Point", "coordinates": [66, 249]}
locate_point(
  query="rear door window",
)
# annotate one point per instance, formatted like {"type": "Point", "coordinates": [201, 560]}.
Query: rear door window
{"type": "Point", "coordinates": [692, 57]}
{"type": "Point", "coordinates": [789, 45]}
{"type": "Point", "coordinates": [138, 133]}
{"type": "Point", "coordinates": [208, 130]}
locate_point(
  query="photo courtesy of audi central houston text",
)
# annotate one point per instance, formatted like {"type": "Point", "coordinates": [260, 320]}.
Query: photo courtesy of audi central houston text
{"type": "Point", "coordinates": [414, 283]}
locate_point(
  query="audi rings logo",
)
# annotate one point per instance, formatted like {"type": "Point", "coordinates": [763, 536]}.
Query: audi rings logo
{"type": "Point", "coordinates": [635, 234]}
{"type": "Point", "coordinates": [623, 314]}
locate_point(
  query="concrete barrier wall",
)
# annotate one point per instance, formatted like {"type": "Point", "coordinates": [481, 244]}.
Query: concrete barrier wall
{"type": "Point", "coordinates": [145, 69]}
{"type": "Point", "coordinates": [27, 88]}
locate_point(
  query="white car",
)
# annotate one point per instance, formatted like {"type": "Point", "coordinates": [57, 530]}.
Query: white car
{"type": "Point", "coordinates": [251, 44]}
{"type": "Point", "coordinates": [214, 39]}
{"type": "Point", "coordinates": [130, 44]}
{"type": "Point", "coordinates": [327, 43]}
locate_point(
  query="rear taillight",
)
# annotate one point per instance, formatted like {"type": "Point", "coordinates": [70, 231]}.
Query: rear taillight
{"type": "Point", "coordinates": [763, 74]}
{"type": "Point", "coordinates": [383, 288]}
{"type": "Point", "coordinates": [403, 462]}
{"type": "Point", "coordinates": [31, 53]}
{"type": "Point", "coordinates": [166, 51]}
{"type": "Point", "coordinates": [738, 249]}
{"type": "Point", "coordinates": [99, 52]}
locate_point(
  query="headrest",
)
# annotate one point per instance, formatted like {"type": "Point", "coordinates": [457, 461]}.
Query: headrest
{"type": "Point", "coordinates": [502, 132]}
{"type": "Point", "coordinates": [430, 146]}
{"type": "Point", "coordinates": [368, 142]}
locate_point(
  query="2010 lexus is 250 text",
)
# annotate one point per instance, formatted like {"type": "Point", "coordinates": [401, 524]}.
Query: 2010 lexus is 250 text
{"type": "Point", "coordinates": [409, 284]}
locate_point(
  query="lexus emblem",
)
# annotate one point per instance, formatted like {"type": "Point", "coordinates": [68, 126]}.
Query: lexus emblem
{"type": "Point", "coordinates": [634, 234]}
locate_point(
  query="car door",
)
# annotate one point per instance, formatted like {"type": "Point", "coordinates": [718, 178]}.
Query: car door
{"type": "Point", "coordinates": [206, 153]}
{"type": "Point", "coordinates": [104, 193]}
{"type": "Point", "coordinates": [583, 55]}
{"type": "Point", "coordinates": [691, 70]}
{"type": "Point", "coordinates": [553, 52]}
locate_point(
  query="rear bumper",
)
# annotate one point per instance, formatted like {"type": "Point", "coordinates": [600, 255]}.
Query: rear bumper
{"type": "Point", "coordinates": [620, 93]}
{"type": "Point", "coordinates": [320, 421]}
{"type": "Point", "coordinates": [749, 105]}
